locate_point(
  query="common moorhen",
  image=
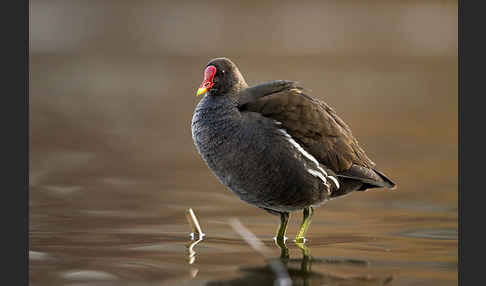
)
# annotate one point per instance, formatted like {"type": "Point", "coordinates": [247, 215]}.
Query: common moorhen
{"type": "Point", "coordinates": [275, 146]}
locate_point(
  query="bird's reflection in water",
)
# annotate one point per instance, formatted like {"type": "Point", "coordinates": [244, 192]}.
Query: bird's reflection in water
{"type": "Point", "coordinates": [302, 275]}
{"type": "Point", "coordinates": [299, 270]}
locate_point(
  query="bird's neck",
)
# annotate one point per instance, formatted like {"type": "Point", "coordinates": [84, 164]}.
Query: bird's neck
{"type": "Point", "coordinates": [214, 109]}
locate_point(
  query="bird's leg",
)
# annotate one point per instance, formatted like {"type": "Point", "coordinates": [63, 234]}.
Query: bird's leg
{"type": "Point", "coordinates": [300, 239]}
{"type": "Point", "coordinates": [280, 236]}
{"type": "Point", "coordinates": [282, 228]}
{"type": "Point", "coordinates": [305, 225]}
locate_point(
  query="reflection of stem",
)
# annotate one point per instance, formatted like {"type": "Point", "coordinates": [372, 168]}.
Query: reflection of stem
{"type": "Point", "coordinates": [192, 253]}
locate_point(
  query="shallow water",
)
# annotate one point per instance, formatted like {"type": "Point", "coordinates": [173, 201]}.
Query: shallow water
{"type": "Point", "coordinates": [113, 170]}
{"type": "Point", "coordinates": [113, 167]}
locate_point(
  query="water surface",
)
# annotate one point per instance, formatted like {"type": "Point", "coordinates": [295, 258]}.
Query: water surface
{"type": "Point", "coordinates": [113, 169]}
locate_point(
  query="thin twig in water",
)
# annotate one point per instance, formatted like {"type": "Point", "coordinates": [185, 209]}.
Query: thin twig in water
{"type": "Point", "coordinates": [197, 235]}
{"type": "Point", "coordinates": [282, 276]}
{"type": "Point", "coordinates": [196, 227]}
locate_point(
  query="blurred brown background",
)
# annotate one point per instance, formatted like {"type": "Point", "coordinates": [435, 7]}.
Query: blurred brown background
{"type": "Point", "coordinates": [112, 91]}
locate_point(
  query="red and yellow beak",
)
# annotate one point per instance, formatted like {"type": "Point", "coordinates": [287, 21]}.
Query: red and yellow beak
{"type": "Point", "coordinates": [207, 83]}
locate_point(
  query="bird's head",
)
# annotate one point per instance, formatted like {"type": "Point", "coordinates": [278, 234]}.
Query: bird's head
{"type": "Point", "coordinates": [221, 77]}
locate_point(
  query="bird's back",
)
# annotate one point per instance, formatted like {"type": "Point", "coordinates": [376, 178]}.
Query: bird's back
{"type": "Point", "coordinates": [320, 131]}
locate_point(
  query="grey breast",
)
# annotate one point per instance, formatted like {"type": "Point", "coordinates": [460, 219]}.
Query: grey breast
{"type": "Point", "coordinates": [251, 156]}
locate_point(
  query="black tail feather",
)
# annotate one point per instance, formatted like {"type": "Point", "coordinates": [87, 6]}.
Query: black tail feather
{"type": "Point", "coordinates": [371, 178]}
{"type": "Point", "coordinates": [388, 183]}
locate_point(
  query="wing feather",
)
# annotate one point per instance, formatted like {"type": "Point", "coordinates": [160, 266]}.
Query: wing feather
{"type": "Point", "coordinates": [315, 126]}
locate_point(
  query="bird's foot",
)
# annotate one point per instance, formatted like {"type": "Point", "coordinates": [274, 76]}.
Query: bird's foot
{"type": "Point", "coordinates": [280, 239]}
{"type": "Point", "coordinates": [300, 240]}
{"type": "Point", "coordinates": [284, 250]}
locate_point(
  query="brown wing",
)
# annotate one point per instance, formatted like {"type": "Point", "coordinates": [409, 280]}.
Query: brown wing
{"type": "Point", "coordinates": [315, 126]}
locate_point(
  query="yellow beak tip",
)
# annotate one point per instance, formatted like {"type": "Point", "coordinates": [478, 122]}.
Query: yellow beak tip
{"type": "Point", "coordinates": [201, 91]}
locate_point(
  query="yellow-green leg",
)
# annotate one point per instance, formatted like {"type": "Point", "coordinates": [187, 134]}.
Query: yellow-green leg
{"type": "Point", "coordinates": [280, 235]}
{"type": "Point", "coordinates": [305, 225]}
{"type": "Point", "coordinates": [300, 239]}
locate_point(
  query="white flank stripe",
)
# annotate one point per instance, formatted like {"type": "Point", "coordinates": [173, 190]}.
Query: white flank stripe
{"type": "Point", "coordinates": [301, 150]}
{"type": "Point", "coordinates": [335, 181]}
{"type": "Point", "coordinates": [317, 174]}
{"type": "Point", "coordinates": [323, 173]}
